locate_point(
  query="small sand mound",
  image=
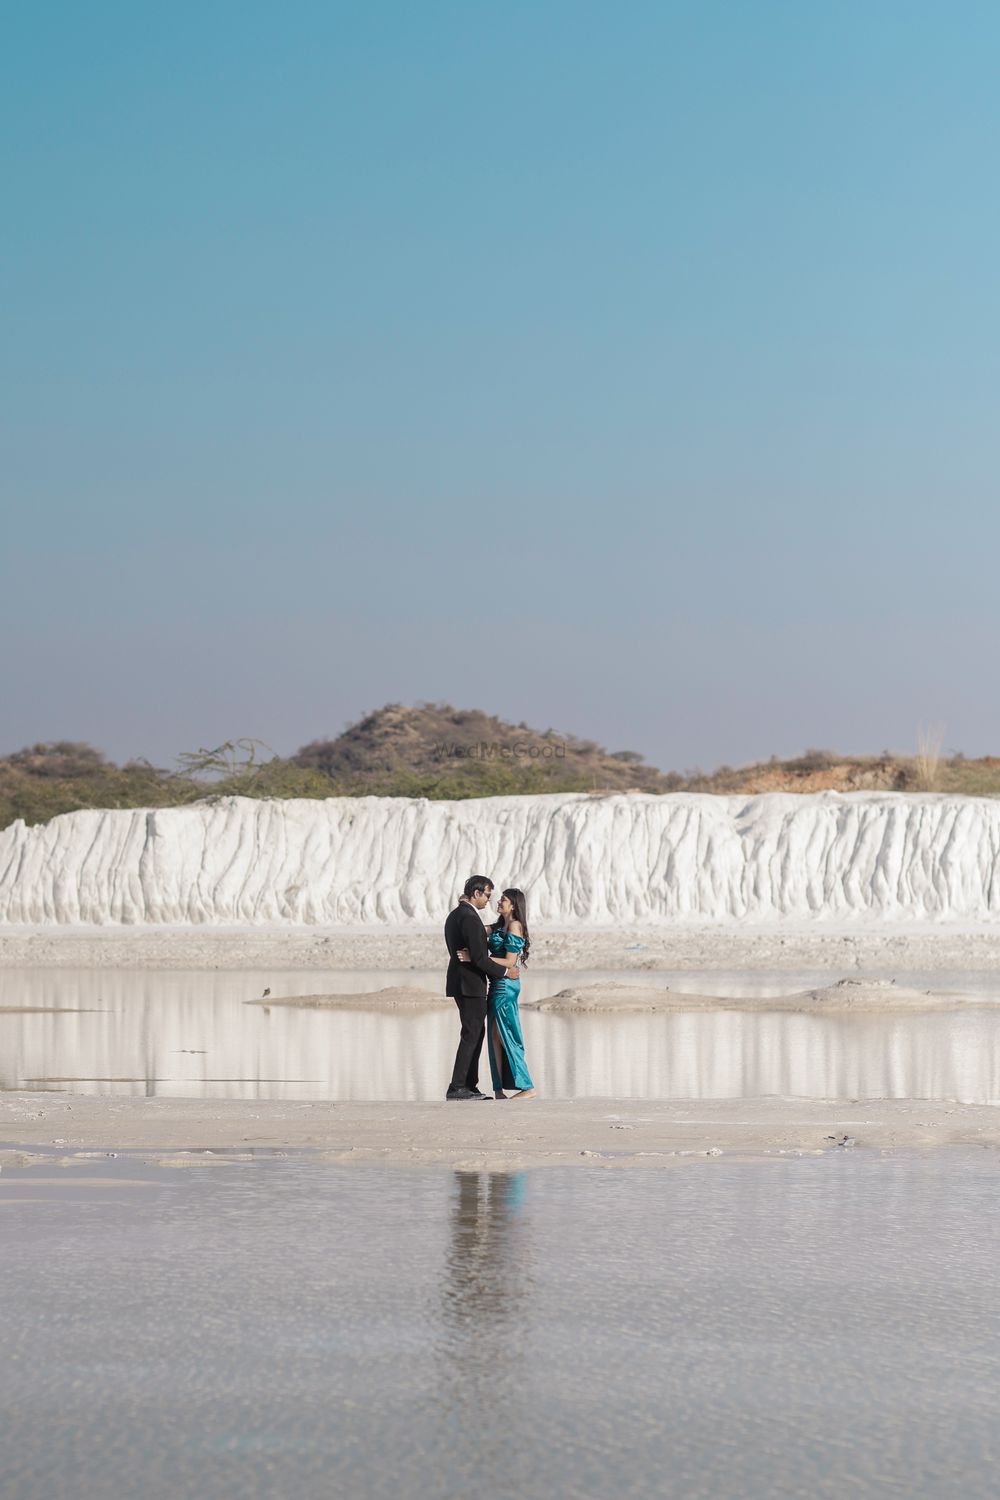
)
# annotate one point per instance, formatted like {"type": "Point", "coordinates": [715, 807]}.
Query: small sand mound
{"type": "Point", "coordinates": [397, 997]}
{"type": "Point", "coordinates": [867, 995]}
{"type": "Point", "coordinates": [619, 997]}
{"type": "Point", "coordinates": [847, 995]}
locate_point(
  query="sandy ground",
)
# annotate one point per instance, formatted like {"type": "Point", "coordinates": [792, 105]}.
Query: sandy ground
{"type": "Point", "coordinates": [880, 950]}
{"type": "Point", "coordinates": [477, 1136]}
{"type": "Point", "coordinates": [395, 997]}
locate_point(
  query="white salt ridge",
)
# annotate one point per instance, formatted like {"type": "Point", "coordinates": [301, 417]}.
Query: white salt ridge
{"type": "Point", "coordinates": [822, 859]}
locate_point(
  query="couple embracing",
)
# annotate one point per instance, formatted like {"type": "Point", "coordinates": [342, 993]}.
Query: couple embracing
{"type": "Point", "coordinates": [484, 982]}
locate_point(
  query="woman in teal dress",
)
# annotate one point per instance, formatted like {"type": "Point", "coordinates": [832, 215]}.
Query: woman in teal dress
{"type": "Point", "coordinates": [508, 936]}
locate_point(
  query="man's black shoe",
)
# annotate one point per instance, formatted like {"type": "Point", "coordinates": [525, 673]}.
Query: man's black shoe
{"type": "Point", "coordinates": [464, 1094]}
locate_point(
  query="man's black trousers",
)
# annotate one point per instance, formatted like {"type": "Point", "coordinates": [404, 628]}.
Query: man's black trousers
{"type": "Point", "coordinates": [472, 1009]}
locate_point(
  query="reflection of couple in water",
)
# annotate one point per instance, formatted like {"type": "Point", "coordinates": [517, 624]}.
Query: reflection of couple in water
{"type": "Point", "coordinates": [489, 1265]}
{"type": "Point", "coordinates": [483, 980]}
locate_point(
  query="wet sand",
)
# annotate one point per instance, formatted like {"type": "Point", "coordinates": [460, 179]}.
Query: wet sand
{"type": "Point", "coordinates": [504, 1136]}
{"type": "Point", "coordinates": [815, 1326]}
{"type": "Point", "coordinates": [845, 997]}
{"type": "Point", "coordinates": [394, 997]}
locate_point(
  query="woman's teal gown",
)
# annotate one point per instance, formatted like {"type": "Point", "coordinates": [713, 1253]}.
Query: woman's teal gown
{"type": "Point", "coordinates": [501, 1008]}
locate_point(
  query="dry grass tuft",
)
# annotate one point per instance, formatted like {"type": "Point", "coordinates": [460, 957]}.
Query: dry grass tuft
{"type": "Point", "coordinates": [927, 762]}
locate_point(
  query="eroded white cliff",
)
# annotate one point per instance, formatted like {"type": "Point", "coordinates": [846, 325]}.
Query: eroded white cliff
{"type": "Point", "coordinates": [826, 858]}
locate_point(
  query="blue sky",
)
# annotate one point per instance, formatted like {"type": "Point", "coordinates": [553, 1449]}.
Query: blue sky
{"type": "Point", "coordinates": [627, 369]}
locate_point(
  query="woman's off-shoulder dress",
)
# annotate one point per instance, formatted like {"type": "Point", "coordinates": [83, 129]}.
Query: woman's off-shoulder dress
{"type": "Point", "coordinates": [501, 1009]}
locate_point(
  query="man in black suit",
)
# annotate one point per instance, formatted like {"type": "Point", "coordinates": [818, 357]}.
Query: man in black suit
{"type": "Point", "coordinates": [468, 983]}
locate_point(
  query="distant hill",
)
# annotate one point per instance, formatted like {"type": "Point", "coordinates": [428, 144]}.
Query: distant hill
{"type": "Point", "coordinates": [43, 780]}
{"type": "Point", "coordinates": [437, 751]}
{"type": "Point", "coordinates": [434, 750]}
{"type": "Point", "coordinates": [826, 771]}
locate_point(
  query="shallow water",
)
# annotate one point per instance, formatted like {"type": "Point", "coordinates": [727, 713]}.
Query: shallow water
{"type": "Point", "coordinates": [815, 1327]}
{"type": "Point", "coordinates": [193, 1035]}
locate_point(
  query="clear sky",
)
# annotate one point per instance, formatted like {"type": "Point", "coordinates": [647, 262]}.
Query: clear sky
{"type": "Point", "coordinates": [630, 369]}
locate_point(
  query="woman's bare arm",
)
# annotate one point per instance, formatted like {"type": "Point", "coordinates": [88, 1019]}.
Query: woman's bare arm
{"type": "Point", "coordinates": [503, 962]}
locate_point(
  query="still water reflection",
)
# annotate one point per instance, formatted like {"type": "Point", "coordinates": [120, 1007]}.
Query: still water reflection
{"type": "Point", "coordinates": [193, 1035]}
{"type": "Point", "coordinates": [819, 1327]}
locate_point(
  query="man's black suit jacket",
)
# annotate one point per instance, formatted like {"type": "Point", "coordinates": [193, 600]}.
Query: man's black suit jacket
{"type": "Point", "coordinates": [464, 929]}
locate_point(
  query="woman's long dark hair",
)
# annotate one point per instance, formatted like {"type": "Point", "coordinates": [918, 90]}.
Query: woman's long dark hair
{"type": "Point", "coordinates": [519, 902]}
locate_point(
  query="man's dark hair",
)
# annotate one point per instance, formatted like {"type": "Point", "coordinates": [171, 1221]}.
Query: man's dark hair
{"type": "Point", "coordinates": [477, 883]}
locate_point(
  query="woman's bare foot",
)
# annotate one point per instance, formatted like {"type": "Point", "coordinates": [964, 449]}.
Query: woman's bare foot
{"type": "Point", "coordinates": [523, 1094]}
{"type": "Point", "coordinates": [499, 1094]}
